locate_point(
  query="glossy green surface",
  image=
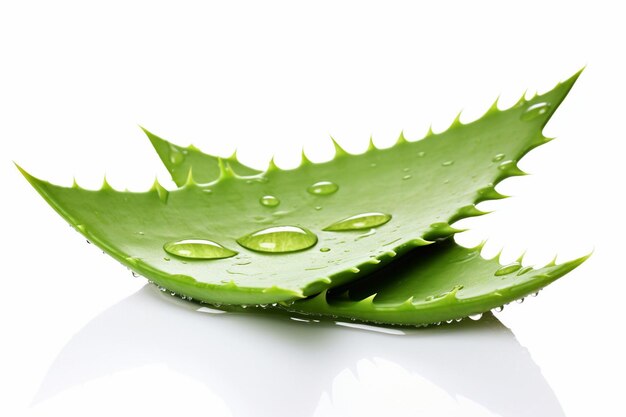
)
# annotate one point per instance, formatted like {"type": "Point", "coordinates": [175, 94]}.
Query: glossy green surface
{"type": "Point", "coordinates": [450, 171]}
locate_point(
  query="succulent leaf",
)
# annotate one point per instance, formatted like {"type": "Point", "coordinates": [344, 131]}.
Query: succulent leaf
{"type": "Point", "coordinates": [424, 186]}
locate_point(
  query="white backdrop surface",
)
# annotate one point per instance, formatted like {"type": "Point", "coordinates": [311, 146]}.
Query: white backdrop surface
{"type": "Point", "coordinates": [81, 337]}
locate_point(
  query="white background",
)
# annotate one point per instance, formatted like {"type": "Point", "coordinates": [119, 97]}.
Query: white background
{"type": "Point", "coordinates": [81, 337]}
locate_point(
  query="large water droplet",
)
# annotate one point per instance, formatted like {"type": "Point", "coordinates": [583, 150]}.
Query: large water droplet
{"type": "Point", "coordinates": [508, 269]}
{"type": "Point", "coordinates": [323, 188]}
{"type": "Point", "coordinates": [476, 316]}
{"type": "Point", "coordinates": [359, 222]}
{"type": "Point", "coordinates": [176, 156]}
{"type": "Point", "coordinates": [198, 249]}
{"type": "Point", "coordinates": [269, 201]}
{"type": "Point", "coordinates": [279, 239]}
{"type": "Point", "coordinates": [535, 111]}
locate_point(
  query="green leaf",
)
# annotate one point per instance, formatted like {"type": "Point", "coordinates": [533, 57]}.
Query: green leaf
{"type": "Point", "coordinates": [430, 285]}
{"type": "Point", "coordinates": [424, 186]}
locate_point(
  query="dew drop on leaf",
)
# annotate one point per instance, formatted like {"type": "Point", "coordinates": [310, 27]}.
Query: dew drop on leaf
{"type": "Point", "coordinates": [279, 239]}
{"type": "Point", "coordinates": [269, 201]}
{"type": "Point", "coordinates": [499, 157]}
{"type": "Point", "coordinates": [323, 188]}
{"type": "Point", "coordinates": [359, 222]}
{"type": "Point", "coordinates": [447, 163]}
{"type": "Point", "coordinates": [198, 249]}
{"type": "Point", "coordinates": [535, 111]}
{"type": "Point", "coordinates": [324, 249]}
{"type": "Point", "coordinates": [176, 156]}
{"type": "Point", "coordinates": [476, 316]}
{"type": "Point", "coordinates": [508, 269]}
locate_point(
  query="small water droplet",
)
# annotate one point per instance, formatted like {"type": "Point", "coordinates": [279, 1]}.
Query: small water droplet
{"type": "Point", "coordinates": [279, 239]}
{"type": "Point", "coordinates": [466, 257]}
{"type": "Point", "coordinates": [359, 222]}
{"type": "Point", "coordinates": [449, 321]}
{"type": "Point", "coordinates": [525, 270]}
{"type": "Point", "coordinates": [534, 294]}
{"type": "Point", "coordinates": [447, 163]}
{"type": "Point", "coordinates": [134, 274]}
{"type": "Point", "coordinates": [535, 111]}
{"type": "Point", "coordinates": [476, 316]}
{"type": "Point", "coordinates": [176, 156]}
{"type": "Point", "coordinates": [498, 309]}
{"type": "Point", "coordinates": [198, 249]}
{"type": "Point", "coordinates": [407, 177]}
{"type": "Point", "coordinates": [172, 293]}
{"type": "Point", "coordinates": [207, 190]}
{"type": "Point", "coordinates": [508, 269]}
{"type": "Point", "coordinates": [162, 289]}
{"type": "Point", "coordinates": [324, 249]}
{"type": "Point", "coordinates": [499, 157]}
{"type": "Point", "coordinates": [364, 235]}
{"type": "Point", "coordinates": [318, 208]}
{"type": "Point", "coordinates": [506, 165]}
{"type": "Point", "coordinates": [269, 201]}
{"type": "Point", "coordinates": [166, 259]}
{"type": "Point", "coordinates": [406, 169]}
{"type": "Point", "coordinates": [323, 188]}
{"type": "Point", "coordinates": [459, 319]}
{"type": "Point", "coordinates": [421, 154]}
{"type": "Point", "coordinates": [520, 301]}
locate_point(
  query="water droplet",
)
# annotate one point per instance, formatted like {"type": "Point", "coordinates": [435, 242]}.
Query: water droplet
{"type": "Point", "coordinates": [364, 235]}
{"type": "Point", "coordinates": [449, 321]}
{"type": "Point", "coordinates": [535, 111]}
{"type": "Point", "coordinates": [498, 309]}
{"type": "Point", "coordinates": [421, 154]}
{"type": "Point", "coordinates": [499, 157]}
{"type": "Point", "coordinates": [466, 257]}
{"type": "Point", "coordinates": [406, 169]}
{"type": "Point", "coordinates": [359, 222]}
{"type": "Point", "coordinates": [135, 275]}
{"type": "Point", "coordinates": [506, 165]}
{"type": "Point", "coordinates": [525, 270]}
{"type": "Point", "coordinates": [323, 188]}
{"type": "Point", "coordinates": [324, 249]}
{"type": "Point", "coordinates": [176, 156]}
{"type": "Point", "coordinates": [166, 259]}
{"type": "Point", "coordinates": [198, 249]}
{"type": "Point", "coordinates": [508, 269]}
{"type": "Point", "coordinates": [520, 301]}
{"type": "Point", "coordinates": [318, 208]}
{"type": "Point", "coordinates": [279, 239]}
{"type": "Point", "coordinates": [447, 163]}
{"type": "Point", "coordinates": [269, 201]}
{"type": "Point", "coordinates": [407, 177]}
{"type": "Point", "coordinates": [534, 294]}
{"type": "Point", "coordinates": [476, 316]}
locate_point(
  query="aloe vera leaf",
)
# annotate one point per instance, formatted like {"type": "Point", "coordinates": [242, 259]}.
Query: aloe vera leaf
{"type": "Point", "coordinates": [179, 160]}
{"type": "Point", "coordinates": [433, 284]}
{"type": "Point", "coordinates": [423, 185]}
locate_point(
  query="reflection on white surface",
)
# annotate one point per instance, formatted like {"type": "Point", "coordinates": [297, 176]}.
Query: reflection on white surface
{"type": "Point", "coordinates": [262, 365]}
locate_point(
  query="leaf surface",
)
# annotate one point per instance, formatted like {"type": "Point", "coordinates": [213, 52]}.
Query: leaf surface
{"type": "Point", "coordinates": [424, 186]}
